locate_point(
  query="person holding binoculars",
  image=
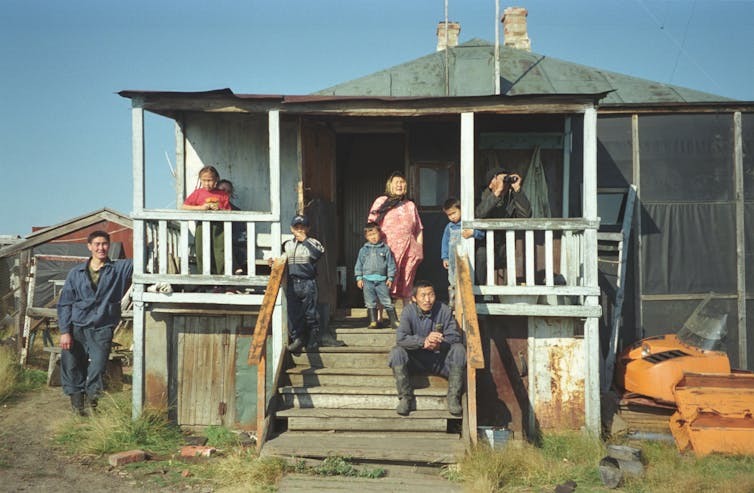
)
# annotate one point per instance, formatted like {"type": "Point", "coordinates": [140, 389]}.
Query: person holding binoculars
{"type": "Point", "coordinates": [501, 199]}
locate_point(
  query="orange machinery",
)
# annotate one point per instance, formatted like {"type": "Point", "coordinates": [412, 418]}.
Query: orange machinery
{"type": "Point", "coordinates": [690, 370]}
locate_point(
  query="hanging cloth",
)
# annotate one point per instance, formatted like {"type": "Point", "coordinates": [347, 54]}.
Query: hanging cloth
{"type": "Point", "coordinates": [535, 186]}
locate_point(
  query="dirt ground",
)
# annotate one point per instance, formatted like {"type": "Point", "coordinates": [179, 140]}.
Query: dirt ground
{"type": "Point", "coordinates": [29, 460]}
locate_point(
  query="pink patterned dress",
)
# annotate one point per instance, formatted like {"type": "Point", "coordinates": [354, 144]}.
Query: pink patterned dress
{"type": "Point", "coordinates": [400, 227]}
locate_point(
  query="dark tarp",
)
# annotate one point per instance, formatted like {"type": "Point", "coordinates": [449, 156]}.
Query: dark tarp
{"type": "Point", "coordinates": [50, 270]}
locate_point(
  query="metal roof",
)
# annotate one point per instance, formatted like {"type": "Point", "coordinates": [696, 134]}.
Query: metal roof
{"type": "Point", "coordinates": [471, 73]}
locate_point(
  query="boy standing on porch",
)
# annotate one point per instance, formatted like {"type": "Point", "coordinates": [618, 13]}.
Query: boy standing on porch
{"type": "Point", "coordinates": [451, 238]}
{"type": "Point", "coordinates": [303, 253]}
{"type": "Point", "coordinates": [375, 272]}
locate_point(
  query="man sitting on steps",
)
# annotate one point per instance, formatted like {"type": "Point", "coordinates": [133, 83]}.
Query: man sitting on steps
{"type": "Point", "coordinates": [427, 341]}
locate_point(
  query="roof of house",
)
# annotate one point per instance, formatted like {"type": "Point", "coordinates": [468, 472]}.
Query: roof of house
{"type": "Point", "coordinates": [61, 229]}
{"type": "Point", "coordinates": [471, 73]}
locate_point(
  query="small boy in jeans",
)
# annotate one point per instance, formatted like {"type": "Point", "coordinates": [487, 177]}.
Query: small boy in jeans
{"type": "Point", "coordinates": [375, 271]}
{"type": "Point", "coordinates": [451, 238]}
{"type": "Point", "coordinates": [303, 253]}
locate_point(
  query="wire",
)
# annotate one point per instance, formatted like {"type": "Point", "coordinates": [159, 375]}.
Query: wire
{"type": "Point", "coordinates": [683, 41]}
{"type": "Point", "coordinates": [679, 45]}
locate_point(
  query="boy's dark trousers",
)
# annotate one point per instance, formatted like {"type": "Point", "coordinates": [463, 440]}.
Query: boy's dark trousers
{"type": "Point", "coordinates": [302, 308]}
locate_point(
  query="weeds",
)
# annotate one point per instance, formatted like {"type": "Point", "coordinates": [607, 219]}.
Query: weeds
{"type": "Point", "coordinates": [341, 466]}
{"type": "Point", "coordinates": [14, 378]}
{"type": "Point", "coordinates": [221, 437]}
{"type": "Point", "coordinates": [113, 430]}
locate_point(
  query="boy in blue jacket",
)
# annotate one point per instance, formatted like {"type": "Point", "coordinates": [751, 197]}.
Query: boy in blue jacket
{"type": "Point", "coordinates": [375, 271]}
{"type": "Point", "coordinates": [451, 238]}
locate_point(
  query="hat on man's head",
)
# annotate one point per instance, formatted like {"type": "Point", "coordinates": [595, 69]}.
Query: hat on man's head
{"type": "Point", "coordinates": [300, 219]}
{"type": "Point", "coordinates": [493, 173]}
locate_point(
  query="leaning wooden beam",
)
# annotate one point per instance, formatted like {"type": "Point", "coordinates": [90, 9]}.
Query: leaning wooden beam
{"type": "Point", "coordinates": [259, 339]}
{"type": "Point", "coordinates": [474, 354]}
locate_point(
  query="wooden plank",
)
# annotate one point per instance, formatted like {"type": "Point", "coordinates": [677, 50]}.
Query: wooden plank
{"type": "Point", "coordinates": [261, 388]}
{"type": "Point", "coordinates": [25, 339]}
{"type": "Point", "coordinates": [137, 153]}
{"type": "Point", "coordinates": [529, 258]}
{"type": "Point", "coordinates": [203, 298]}
{"type": "Point", "coordinates": [273, 122]}
{"type": "Point", "coordinates": [467, 174]}
{"type": "Point", "coordinates": [259, 339]}
{"type": "Point", "coordinates": [510, 258]}
{"type": "Point", "coordinates": [639, 257]}
{"type": "Point", "coordinates": [271, 409]}
{"type": "Point", "coordinates": [474, 354]}
{"type": "Point", "coordinates": [549, 260]}
{"type": "Point", "coordinates": [536, 224]}
{"type": "Point", "coordinates": [364, 413]}
{"type": "Point", "coordinates": [251, 265]}
{"type": "Point", "coordinates": [183, 248]}
{"type": "Point", "coordinates": [162, 246]}
{"type": "Point", "coordinates": [179, 215]}
{"type": "Point", "coordinates": [220, 280]}
{"type": "Point", "coordinates": [558, 311]}
{"type": "Point", "coordinates": [490, 253]}
{"type": "Point", "coordinates": [738, 172]}
{"type": "Point", "coordinates": [228, 247]}
{"type": "Point", "coordinates": [394, 423]}
{"type": "Point", "coordinates": [137, 392]}
{"type": "Point", "coordinates": [472, 403]}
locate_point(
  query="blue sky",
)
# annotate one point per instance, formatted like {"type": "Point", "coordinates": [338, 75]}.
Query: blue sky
{"type": "Point", "coordinates": [65, 135]}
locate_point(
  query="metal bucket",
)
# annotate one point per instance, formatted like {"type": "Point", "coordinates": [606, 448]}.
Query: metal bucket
{"type": "Point", "coordinates": [496, 438]}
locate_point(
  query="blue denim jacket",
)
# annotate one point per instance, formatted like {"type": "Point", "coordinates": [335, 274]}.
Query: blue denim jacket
{"type": "Point", "coordinates": [375, 262]}
{"type": "Point", "coordinates": [82, 306]}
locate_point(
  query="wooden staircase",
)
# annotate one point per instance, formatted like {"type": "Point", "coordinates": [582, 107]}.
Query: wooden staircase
{"type": "Point", "coordinates": [340, 401]}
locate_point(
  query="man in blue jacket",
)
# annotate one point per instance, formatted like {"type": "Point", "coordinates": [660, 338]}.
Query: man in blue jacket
{"type": "Point", "coordinates": [427, 341]}
{"type": "Point", "coordinates": [88, 311]}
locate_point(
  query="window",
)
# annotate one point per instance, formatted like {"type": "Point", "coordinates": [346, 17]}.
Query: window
{"type": "Point", "coordinates": [433, 183]}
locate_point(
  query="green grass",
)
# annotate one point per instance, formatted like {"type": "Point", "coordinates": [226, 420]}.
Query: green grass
{"type": "Point", "coordinates": [112, 430]}
{"type": "Point", "coordinates": [14, 378]}
{"type": "Point", "coordinates": [221, 437]}
{"type": "Point", "coordinates": [575, 457]}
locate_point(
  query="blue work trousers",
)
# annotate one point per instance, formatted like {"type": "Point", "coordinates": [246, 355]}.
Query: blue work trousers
{"type": "Point", "coordinates": [376, 290]}
{"type": "Point", "coordinates": [82, 367]}
{"type": "Point", "coordinates": [302, 307]}
{"type": "Point", "coordinates": [424, 361]}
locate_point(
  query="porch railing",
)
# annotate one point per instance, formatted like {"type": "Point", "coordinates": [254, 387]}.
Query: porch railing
{"type": "Point", "coordinates": [166, 246]}
{"type": "Point", "coordinates": [540, 290]}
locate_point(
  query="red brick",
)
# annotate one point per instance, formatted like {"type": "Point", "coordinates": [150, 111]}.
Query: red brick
{"type": "Point", "coordinates": [197, 451]}
{"type": "Point", "coordinates": [122, 458]}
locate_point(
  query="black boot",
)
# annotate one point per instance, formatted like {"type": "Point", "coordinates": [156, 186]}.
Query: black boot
{"type": "Point", "coordinates": [313, 344]}
{"type": "Point", "coordinates": [405, 392]}
{"type": "Point", "coordinates": [296, 346]}
{"type": "Point", "coordinates": [393, 317]}
{"type": "Point", "coordinates": [93, 403]}
{"type": "Point", "coordinates": [455, 386]}
{"type": "Point", "coordinates": [77, 403]}
{"type": "Point", "coordinates": [373, 322]}
{"type": "Point", "coordinates": [328, 339]}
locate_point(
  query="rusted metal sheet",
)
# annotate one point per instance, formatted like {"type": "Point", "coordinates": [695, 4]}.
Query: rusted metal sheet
{"type": "Point", "coordinates": [502, 390]}
{"type": "Point", "coordinates": [558, 370]}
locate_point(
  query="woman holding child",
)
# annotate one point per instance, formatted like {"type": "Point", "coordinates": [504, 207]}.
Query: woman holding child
{"type": "Point", "coordinates": [399, 220]}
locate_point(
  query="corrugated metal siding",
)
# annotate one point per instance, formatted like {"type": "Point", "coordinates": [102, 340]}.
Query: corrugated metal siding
{"type": "Point", "coordinates": [364, 163]}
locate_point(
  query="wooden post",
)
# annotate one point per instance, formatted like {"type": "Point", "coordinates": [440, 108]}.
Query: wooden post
{"type": "Point", "coordinates": [591, 324]}
{"type": "Point", "coordinates": [638, 258]}
{"type": "Point", "coordinates": [467, 175]}
{"type": "Point", "coordinates": [261, 394]}
{"type": "Point", "coordinates": [137, 143]}
{"type": "Point", "coordinates": [274, 144]}
{"type": "Point", "coordinates": [738, 172]}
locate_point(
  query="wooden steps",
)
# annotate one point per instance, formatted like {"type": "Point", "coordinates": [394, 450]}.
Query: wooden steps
{"type": "Point", "coordinates": [429, 448]}
{"type": "Point", "coordinates": [340, 401]}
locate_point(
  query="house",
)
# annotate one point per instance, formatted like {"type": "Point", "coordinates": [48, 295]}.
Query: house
{"type": "Point", "coordinates": [445, 119]}
{"type": "Point", "coordinates": [43, 258]}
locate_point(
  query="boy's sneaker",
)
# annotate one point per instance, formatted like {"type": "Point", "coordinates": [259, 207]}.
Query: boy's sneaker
{"type": "Point", "coordinates": [296, 346]}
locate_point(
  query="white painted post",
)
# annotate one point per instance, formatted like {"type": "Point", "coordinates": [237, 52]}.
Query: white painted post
{"type": "Point", "coordinates": [591, 325]}
{"type": "Point", "coordinates": [251, 242]}
{"type": "Point", "coordinates": [183, 248]}
{"type": "Point", "coordinates": [549, 261]}
{"type": "Point", "coordinates": [275, 193]}
{"type": "Point", "coordinates": [510, 257]}
{"type": "Point", "coordinates": [162, 246]}
{"type": "Point", "coordinates": [228, 247]}
{"type": "Point", "coordinates": [467, 177]}
{"type": "Point", "coordinates": [274, 143]}
{"type": "Point", "coordinates": [529, 257]}
{"type": "Point", "coordinates": [137, 149]}
{"type": "Point", "coordinates": [738, 171]}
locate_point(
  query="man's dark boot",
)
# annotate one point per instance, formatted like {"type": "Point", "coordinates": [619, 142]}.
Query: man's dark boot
{"type": "Point", "coordinates": [77, 403]}
{"type": "Point", "coordinates": [328, 339]}
{"type": "Point", "coordinates": [296, 346]}
{"type": "Point", "coordinates": [373, 322]}
{"type": "Point", "coordinates": [455, 386]}
{"type": "Point", "coordinates": [313, 344]}
{"type": "Point", "coordinates": [393, 317]}
{"type": "Point", "coordinates": [405, 392]}
{"type": "Point", "coordinates": [93, 403]}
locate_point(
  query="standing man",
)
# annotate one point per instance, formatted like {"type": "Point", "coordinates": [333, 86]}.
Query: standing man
{"type": "Point", "coordinates": [88, 311]}
{"type": "Point", "coordinates": [501, 199]}
{"type": "Point", "coordinates": [427, 341]}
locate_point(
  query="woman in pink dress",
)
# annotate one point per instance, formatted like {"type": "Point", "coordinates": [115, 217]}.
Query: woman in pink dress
{"type": "Point", "coordinates": [403, 231]}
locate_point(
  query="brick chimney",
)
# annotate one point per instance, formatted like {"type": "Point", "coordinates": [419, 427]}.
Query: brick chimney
{"type": "Point", "coordinates": [514, 28]}
{"type": "Point", "coordinates": [454, 28]}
